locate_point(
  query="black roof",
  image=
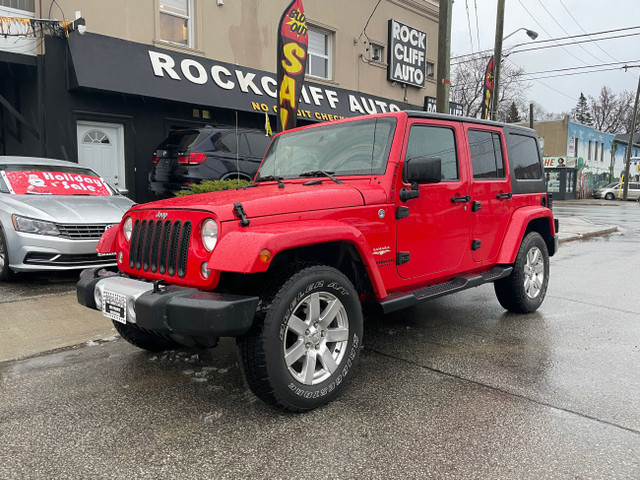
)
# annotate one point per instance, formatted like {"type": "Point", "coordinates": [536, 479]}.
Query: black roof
{"type": "Point", "coordinates": [457, 118]}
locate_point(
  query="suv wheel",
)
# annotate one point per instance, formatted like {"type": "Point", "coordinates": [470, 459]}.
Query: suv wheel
{"type": "Point", "coordinates": [608, 196]}
{"type": "Point", "coordinates": [6, 274]}
{"type": "Point", "coordinates": [142, 339]}
{"type": "Point", "coordinates": [524, 290]}
{"type": "Point", "coordinates": [305, 340]}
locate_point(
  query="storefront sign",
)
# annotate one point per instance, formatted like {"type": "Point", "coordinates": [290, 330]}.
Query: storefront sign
{"type": "Point", "coordinates": [53, 183]}
{"type": "Point", "coordinates": [407, 54]}
{"type": "Point", "coordinates": [175, 76]}
{"type": "Point", "coordinates": [454, 108]}
{"type": "Point", "coordinates": [555, 162]}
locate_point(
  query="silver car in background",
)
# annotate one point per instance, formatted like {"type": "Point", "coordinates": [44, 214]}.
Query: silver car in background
{"type": "Point", "coordinates": [52, 214]}
{"type": "Point", "coordinates": [614, 190]}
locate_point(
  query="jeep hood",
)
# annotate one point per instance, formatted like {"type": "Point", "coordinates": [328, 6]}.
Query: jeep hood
{"type": "Point", "coordinates": [267, 199]}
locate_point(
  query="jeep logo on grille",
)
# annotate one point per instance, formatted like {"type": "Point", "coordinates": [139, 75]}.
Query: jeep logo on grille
{"type": "Point", "coordinates": [161, 215]}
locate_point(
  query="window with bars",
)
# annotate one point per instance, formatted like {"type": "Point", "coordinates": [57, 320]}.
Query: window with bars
{"type": "Point", "coordinates": [319, 53]}
{"type": "Point", "coordinates": [176, 21]}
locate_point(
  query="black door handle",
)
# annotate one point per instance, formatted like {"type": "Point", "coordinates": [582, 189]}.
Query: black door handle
{"type": "Point", "coordinates": [501, 196]}
{"type": "Point", "coordinates": [463, 199]}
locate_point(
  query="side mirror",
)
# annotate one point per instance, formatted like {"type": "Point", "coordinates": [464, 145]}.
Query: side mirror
{"type": "Point", "coordinates": [420, 170]}
{"type": "Point", "coordinates": [424, 170]}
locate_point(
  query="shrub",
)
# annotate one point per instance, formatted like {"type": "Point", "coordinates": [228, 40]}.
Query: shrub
{"type": "Point", "coordinates": [207, 186]}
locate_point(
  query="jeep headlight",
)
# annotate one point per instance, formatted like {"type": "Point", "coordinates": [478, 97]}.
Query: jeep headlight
{"type": "Point", "coordinates": [30, 225]}
{"type": "Point", "coordinates": [127, 228]}
{"type": "Point", "coordinates": [209, 234]}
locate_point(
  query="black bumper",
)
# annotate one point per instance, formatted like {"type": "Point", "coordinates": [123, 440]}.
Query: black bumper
{"type": "Point", "coordinates": [179, 310]}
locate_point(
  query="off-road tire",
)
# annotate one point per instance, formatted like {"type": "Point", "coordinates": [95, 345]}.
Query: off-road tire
{"type": "Point", "coordinates": [143, 339]}
{"type": "Point", "coordinates": [6, 274]}
{"type": "Point", "coordinates": [524, 290]}
{"type": "Point", "coordinates": [303, 307]}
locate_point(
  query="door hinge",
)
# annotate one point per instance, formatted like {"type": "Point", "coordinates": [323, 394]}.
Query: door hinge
{"type": "Point", "coordinates": [475, 206]}
{"type": "Point", "coordinates": [402, 212]}
{"type": "Point", "coordinates": [403, 257]}
{"type": "Point", "coordinates": [475, 245]}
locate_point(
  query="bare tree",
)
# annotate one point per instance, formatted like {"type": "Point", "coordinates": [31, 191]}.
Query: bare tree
{"type": "Point", "coordinates": [612, 113]}
{"type": "Point", "coordinates": [467, 85]}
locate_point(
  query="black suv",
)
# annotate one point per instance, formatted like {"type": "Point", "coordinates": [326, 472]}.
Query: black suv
{"type": "Point", "coordinates": [189, 156]}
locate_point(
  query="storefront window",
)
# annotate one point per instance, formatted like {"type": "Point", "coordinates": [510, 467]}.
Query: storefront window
{"type": "Point", "coordinates": [553, 182]}
{"type": "Point", "coordinates": [175, 21]}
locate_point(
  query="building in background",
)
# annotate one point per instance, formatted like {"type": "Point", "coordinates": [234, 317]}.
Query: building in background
{"type": "Point", "coordinates": [579, 159]}
{"type": "Point", "coordinates": [106, 99]}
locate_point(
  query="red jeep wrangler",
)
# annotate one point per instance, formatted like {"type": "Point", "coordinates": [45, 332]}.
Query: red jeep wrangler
{"type": "Point", "coordinates": [384, 210]}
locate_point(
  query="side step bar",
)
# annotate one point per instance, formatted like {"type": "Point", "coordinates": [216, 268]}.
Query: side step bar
{"type": "Point", "coordinates": [399, 301]}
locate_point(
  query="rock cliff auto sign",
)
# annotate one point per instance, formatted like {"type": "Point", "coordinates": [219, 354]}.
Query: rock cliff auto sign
{"type": "Point", "coordinates": [406, 55]}
{"type": "Point", "coordinates": [292, 59]}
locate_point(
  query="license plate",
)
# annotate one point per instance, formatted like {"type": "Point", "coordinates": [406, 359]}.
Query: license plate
{"type": "Point", "coordinates": [114, 306]}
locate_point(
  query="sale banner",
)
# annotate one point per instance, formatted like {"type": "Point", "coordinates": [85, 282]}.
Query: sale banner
{"type": "Point", "coordinates": [293, 40]}
{"type": "Point", "coordinates": [487, 93]}
{"type": "Point", "coordinates": [35, 182]}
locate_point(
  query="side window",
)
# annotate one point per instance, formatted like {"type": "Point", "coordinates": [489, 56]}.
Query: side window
{"type": "Point", "coordinates": [224, 142]}
{"type": "Point", "coordinates": [486, 154]}
{"type": "Point", "coordinates": [432, 141]}
{"type": "Point", "coordinates": [523, 157]}
{"type": "Point", "coordinates": [258, 143]}
{"type": "Point", "coordinates": [243, 145]}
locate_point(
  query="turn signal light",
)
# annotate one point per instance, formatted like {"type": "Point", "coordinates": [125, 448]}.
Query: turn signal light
{"type": "Point", "coordinates": [194, 158]}
{"type": "Point", "coordinates": [265, 256]}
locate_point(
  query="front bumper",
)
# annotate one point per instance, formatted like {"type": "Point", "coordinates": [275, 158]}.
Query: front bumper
{"type": "Point", "coordinates": [171, 310]}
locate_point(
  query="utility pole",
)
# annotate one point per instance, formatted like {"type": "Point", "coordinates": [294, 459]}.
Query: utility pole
{"type": "Point", "coordinates": [444, 57]}
{"type": "Point", "coordinates": [630, 145]}
{"type": "Point", "coordinates": [497, 58]}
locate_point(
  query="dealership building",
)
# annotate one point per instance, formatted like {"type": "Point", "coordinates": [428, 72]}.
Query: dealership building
{"type": "Point", "coordinates": [107, 97]}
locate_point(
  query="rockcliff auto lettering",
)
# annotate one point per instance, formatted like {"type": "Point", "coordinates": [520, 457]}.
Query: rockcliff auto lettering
{"type": "Point", "coordinates": [164, 65]}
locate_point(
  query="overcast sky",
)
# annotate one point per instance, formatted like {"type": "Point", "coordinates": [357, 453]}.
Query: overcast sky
{"type": "Point", "coordinates": [553, 19]}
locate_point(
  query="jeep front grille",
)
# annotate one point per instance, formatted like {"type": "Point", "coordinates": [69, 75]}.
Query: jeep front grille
{"type": "Point", "coordinates": [160, 246]}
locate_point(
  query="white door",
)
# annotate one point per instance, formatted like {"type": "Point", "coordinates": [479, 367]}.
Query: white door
{"type": "Point", "coordinates": [101, 148]}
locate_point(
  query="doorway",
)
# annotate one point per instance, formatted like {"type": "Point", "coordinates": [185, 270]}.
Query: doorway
{"type": "Point", "coordinates": [101, 148]}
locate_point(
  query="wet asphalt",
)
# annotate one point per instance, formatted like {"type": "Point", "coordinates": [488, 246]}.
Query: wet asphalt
{"type": "Point", "coordinates": [453, 388]}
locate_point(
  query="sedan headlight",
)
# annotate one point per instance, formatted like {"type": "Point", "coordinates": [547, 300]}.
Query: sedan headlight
{"type": "Point", "coordinates": [127, 228]}
{"type": "Point", "coordinates": [209, 234]}
{"type": "Point", "coordinates": [30, 225]}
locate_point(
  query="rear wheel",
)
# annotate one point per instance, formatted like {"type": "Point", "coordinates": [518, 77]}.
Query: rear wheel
{"type": "Point", "coordinates": [306, 338]}
{"type": "Point", "coordinates": [524, 290]}
{"type": "Point", "coordinates": [143, 339]}
{"type": "Point", "coordinates": [6, 274]}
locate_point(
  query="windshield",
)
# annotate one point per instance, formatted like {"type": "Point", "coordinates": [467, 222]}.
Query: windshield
{"type": "Point", "coordinates": [354, 148]}
{"type": "Point", "coordinates": [51, 180]}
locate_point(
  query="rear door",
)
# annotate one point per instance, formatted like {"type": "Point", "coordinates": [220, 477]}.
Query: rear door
{"type": "Point", "coordinates": [433, 230]}
{"type": "Point", "coordinates": [491, 196]}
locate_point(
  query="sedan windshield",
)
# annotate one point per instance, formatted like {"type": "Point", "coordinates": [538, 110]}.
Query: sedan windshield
{"type": "Point", "coordinates": [51, 180]}
{"type": "Point", "coordinates": [355, 148]}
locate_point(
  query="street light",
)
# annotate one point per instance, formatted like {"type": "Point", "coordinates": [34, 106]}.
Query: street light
{"type": "Point", "coordinates": [497, 54]}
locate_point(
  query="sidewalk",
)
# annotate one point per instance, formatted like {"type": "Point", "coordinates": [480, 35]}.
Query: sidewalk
{"type": "Point", "coordinates": [30, 327]}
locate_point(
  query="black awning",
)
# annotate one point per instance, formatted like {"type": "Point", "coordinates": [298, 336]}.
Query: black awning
{"type": "Point", "coordinates": [116, 65]}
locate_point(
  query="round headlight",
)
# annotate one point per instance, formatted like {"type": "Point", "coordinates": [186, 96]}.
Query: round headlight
{"type": "Point", "coordinates": [127, 228]}
{"type": "Point", "coordinates": [209, 234]}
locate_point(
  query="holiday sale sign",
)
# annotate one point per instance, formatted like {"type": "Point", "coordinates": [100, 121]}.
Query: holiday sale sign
{"type": "Point", "coordinates": [54, 183]}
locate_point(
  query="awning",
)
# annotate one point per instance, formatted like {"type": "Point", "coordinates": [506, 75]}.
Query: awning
{"type": "Point", "coordinates": [115, 65]}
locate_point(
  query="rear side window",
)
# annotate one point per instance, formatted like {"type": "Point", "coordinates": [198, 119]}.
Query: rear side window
{"type": "Point", "coordinates": [258, 143]}
{"type": "Point", "coordinates": [486, 154]}
{"type": "Point", "coordinates": [523, 157]}
{"type": "Point", "coordinates": [432, 141]}
{"type": "Point", "coordinates": [181, 139]}
{"type": "Point", "coordinates": [224, 142]}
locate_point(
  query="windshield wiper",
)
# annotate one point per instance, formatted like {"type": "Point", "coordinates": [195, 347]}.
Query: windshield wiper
{"type": "Point", "coordinates": [321, 173]}
{"type": "Point", "coordinates": [271, 178]}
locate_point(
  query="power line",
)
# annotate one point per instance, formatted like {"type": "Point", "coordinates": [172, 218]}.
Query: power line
{"type": "Point", "coordinates": [466, 5]}
{"type": "Point", "coordinates": [475, 6]}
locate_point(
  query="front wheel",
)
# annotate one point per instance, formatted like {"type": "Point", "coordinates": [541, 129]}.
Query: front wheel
{"type": "Point", "coordinates": [524, 290]}
{"type": "Point", "coordinates": [608, 196]}
{"type": "Point", "coordinates": [6, 274]}
{"type": "Point", "coordinates": [306, 338]}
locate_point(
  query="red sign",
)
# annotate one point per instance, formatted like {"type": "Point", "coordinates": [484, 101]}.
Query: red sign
{"type": "Point", "coordinates": [293, 40]}
{"type": "Point", "coordinates": [487, 93]}
{"type": "Point", "coordinates": [54, 183]}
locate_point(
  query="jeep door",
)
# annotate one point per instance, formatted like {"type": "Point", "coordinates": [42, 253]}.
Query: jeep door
{"type": "Point", "coordinates": [433, 231]}
{"type": "Point", "coordinates": [491, 196]}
